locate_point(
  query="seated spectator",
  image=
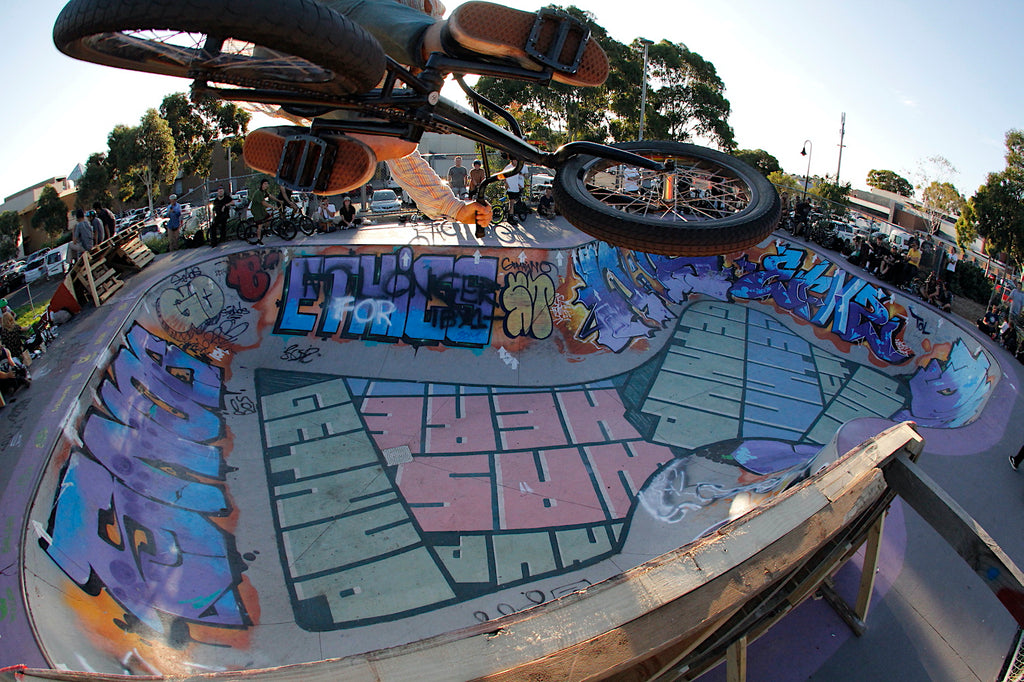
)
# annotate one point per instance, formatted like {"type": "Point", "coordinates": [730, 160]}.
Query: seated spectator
{"type": "Point", "coordinates": [856, 256]}
{"type": "Point", "coordinates": [929, 291]}
{"type": "Point", "coordinates": [989, 323]}
{"type": "Point", "coordinates": [944, 298]}
{"type": "Point", "coordinates": [1009, 340]}
{"type": "Point", "coordinates": [546, 206]}
{"type": "Point", "coordinates": [12, 337]}
{"type": "Point", "coordinates": [13, 375]}
{"type": "Point", "coordinates": [348, 214]}
{"type": "Point", "coordinates": [327, 216]}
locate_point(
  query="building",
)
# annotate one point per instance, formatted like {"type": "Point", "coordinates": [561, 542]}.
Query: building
{"type": "Point", "coordinates": [24, 204]}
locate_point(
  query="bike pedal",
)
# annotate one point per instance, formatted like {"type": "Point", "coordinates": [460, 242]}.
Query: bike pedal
{"type": "Point", "coordinates": [564, 28]}
{"type": "Point", "coordinates": [305, 163]}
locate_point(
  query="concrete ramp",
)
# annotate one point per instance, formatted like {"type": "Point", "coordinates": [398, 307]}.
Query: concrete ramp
{"type": "Point", "coordinates": [307, 452]}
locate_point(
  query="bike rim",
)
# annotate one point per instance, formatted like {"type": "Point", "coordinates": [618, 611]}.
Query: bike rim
{"type": "Point", "coordinates": [232, 61]}
{"type": "Point", "coordinates": [691, 190]}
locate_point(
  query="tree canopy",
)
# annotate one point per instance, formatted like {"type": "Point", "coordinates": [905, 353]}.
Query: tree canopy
{"type": "Point", "coordinates": [94, 185]}
{"type": "Point", "coordinates": [999, 203]}
{"type": "Point", "coordinates": [51, 214]}
{"type": "Point", "coordinates": [195, 128]}
{"type": "Point", "coordinates": [685, 97]}
{"type": "Point", "coordinates": [142, 158]}
{"type": "Point", "coordinates": [940, 199]}
{"type": "Point", "coordinates": [759, 159]}
{"type": "Point", "coordinates": [889, 181]}
{"type": "Point", "coordinates": [10, 230]}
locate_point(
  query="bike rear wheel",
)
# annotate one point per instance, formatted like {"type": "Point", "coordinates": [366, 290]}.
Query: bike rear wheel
{"type": "Point", "coordinates": [286, 228]}
{"type": "Point", "coordinates": [705, 203]}
{"type": "Point", "coordinates": [497, 213]}
{"type": "Point", "coordinates": [295, 45]}
{"type": "Point", "coordinates": [307, 225]}
{"type": "Point", "coordinates": [247, 230]}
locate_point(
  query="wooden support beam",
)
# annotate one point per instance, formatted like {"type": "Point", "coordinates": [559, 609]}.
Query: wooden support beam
{"type": "Point", "coordinates": [736, 661]}
{"type": "Point", "coordinates": [962, 532]}
{"type": "Point", "coordinates": [867, 574]}
{"type": "Point", "coordinates": [842, 609]}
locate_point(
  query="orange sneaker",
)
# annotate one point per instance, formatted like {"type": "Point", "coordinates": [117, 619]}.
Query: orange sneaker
{"type": "Point", "coordinates": [300, 161]}
{"type": "Point", "coordinates": [534, 40]}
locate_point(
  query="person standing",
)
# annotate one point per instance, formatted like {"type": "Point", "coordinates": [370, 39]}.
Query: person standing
{"type": "Point", "coordinates": [261, 206]}
{"type": "Point", "coordinates": [173, 222]}
{"type": "Point", "coordinates": [457, 176]}
{"type": "Point", "coordinates": [514, 188]}
{"type": "Point", "coordinates": [98, 231]}
{"type": "Point", "coordinates": [219, 225]}
{"type": "Point", "coordinates": [476, 176]}
{"type": "Point", "coordinates": [81, 235]}
{"type": "Point", "coordinates": [951, 261]}
{"type": "Point", "coordinates": [106, 217]}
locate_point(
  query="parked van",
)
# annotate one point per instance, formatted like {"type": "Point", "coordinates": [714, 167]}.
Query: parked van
{"type": "Point", "coordinates": [57, 263]}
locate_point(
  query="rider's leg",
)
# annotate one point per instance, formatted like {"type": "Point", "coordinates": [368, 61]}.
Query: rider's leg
{"type": "Point", "coordinates": [474, 29]}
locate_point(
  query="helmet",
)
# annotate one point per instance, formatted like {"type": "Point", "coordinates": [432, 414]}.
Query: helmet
{"type": "Point", "coordinates": [91, 214]}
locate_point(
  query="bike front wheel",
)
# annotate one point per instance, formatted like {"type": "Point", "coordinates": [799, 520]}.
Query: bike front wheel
{"type": "Point", "coordinates": [497, 213]}
{"type": "Point", "coordinates": [286, 228]}
{"type": "Point", "coordinates": [295, 45]}
{"type": "Point", "coordinates": [704, 203]}
{"type": "Point", "coordinates": [307, 226]}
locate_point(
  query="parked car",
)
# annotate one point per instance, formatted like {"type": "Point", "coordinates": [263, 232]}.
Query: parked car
{"type": "Point", "coordinates": [384, 201]}
{"type": "Point", "coordinates": [57, 261]}
{"type": "Point", "coordinates": [11, 278]}
{"type": "Point", "coordinates": [35, 266]}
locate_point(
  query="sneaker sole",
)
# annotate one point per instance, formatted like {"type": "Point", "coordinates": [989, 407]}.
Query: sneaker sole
{"type": "Point", "coordinates": [354, 162]}
{"type": "Point", "coordinates": [499, 31]}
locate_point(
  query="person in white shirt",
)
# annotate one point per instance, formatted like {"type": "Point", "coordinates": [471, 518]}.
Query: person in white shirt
{"type": "Point", "coordinates": [327, 216]}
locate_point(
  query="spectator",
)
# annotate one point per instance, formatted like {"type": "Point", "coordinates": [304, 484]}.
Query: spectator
{"type": "Point", "coordinates": [348, 214]}
{"type": "Point", "coordinates": [106, 217]}
{"type": "Point", "coordinates": [546, 206]}
{"type": "Point", "coordinates": [98, 231]}
{"type": "Point", "coordinates": [476, 176]}
{"type": "Point", "coordinates": [457, 176]}
{"type": "Point", "coordinates": [81, 235]}
{"type": "Point", "coordinates": [801, 215]}
{"type": "Point", "coordinates": [173, 222]}
{"type": "Point", "coordinates": [989, 322]}
{"type": "Point", "coordinates": [11, 337]}
{"type": "Point", "coordinates": [944, 299]}
{"type": "Point", "coordinates": [929, 291]}
{"type": "Point", "coordinates": [327, 216]}
{"type": "Point", "coordinates": [13, 375]}
{"type": "Point", "coordinates": [261, 206]}
{"type": "Point", "coordinates": [950, 270]}
{"type": "Point", "coordinates": [219, 225]}
{"type": "Point", "coordinates": [514, 188]}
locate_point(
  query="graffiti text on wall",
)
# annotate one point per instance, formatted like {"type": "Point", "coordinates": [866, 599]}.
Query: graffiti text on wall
{"type": "Point", "coordinates": [850, 307]}
{"type": "Point", "coordinates": [426, 300]}
{"type": "Point", "coordinates": [135, 504]}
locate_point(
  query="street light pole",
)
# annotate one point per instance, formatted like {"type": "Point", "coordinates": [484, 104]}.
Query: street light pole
{"type": "Point", "coordinates": [643, 89]}
{"type": "Point", "coordinates": [842, 134]}
{"type": "Point", "coordinates": [806, 151]}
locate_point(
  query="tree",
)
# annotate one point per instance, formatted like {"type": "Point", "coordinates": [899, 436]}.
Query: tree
{"type": "Point", "coordinates": [890, 182]}
{"type": "Point", "coordinates": [940, 199]}
{"type": "Point", "coordinates": [838, 195]}
{"type": "Point", "coordinates": [143, 158]}
{"type": "Point", "coordinates": [967, 224]}
{"type": "Point", "coordinates": [51, 214]}
{"type": "Point", "coordinates": [685, 97]}
{"type": "Point", "coordinates": [95, 183]}
{"type": "Point", "coordinates": [196, 126]}
{"type": "Point", "coordinates": [10, 231]}
{"type": "Point", "coordinates": [785, 182]}
{"type": "Point", "coordinates": [759, 159]}
{"type": "Point", "coordinates": [999, 203]}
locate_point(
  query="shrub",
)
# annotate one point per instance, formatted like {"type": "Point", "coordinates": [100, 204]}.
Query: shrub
{"type": "Point", "coordinates": [971, 282]}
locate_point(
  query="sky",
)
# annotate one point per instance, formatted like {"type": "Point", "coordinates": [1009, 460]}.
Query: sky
{"type": "Point", "coordinates": [915, 78]}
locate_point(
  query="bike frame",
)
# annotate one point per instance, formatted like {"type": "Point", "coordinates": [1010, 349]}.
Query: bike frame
{"type": "Point", "coordinates": [406, 105]}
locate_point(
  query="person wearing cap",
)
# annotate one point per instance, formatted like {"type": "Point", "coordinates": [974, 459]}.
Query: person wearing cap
{"type": "Point", "coordinates": [173, 222]}
{"type": "Point", "coordinates": [106, 216]}
{"type": "Point", "coordinates": [98, 231]}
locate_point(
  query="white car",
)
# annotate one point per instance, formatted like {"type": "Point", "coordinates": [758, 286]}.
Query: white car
{"type": "Point", "coordinates": [385, 201]}
{"type": "Point", "coordinates": [35, 268]}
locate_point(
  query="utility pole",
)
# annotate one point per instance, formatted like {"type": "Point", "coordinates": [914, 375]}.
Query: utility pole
{"type": "Point", "coordinates": [643, 88]}
{"type": "Point", "coordinates": [842, 134]}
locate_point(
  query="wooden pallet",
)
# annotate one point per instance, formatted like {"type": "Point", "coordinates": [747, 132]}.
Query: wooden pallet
{"type": "Point", "coordinates": [99, 280]}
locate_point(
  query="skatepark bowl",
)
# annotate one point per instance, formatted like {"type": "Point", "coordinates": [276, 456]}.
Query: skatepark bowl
{"type": "Point", "coordinates": [404, 462]}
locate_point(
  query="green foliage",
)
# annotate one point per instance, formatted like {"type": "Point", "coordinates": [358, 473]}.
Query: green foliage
{"type": "Point", "coordinates": [685, 97]}
{"type": "Point", "coordinates": [196, 126]}
{"type": "Point", "coordinates": [785, 182]}
{"type": "Point", "coordinates": [890, 182]}
{"type": "Point", "coordinates": [940, 199]}
{"type": "Point", "coordinates": [142, 158]}
{"type": "Point", "coordinates": [999, 203]}
{"type": "Point", "coordinates": [10, 231]}
{"type": "Point", "coordinates": [830, 191]}
{"type": "Point", "coordinates": [27, 315]}
{"type": "Point", "coordinates": [94, 184]}
{"type": "Point", "coordinates": [759, 159]}
{"type": "Point", "coordinates": [967, 224]}
{"type": "Point", "coordinates": [970, 281]}
{"type": "Point", "coordinates": [51, 214]}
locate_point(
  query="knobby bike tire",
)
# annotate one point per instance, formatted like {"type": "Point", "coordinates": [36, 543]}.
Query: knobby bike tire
{"type": "Point", "coordinates": [296, 45]}
{"type": "Point", "coordinates": [286, 228]}
{"type": "Point", "coordinates": [664, 212]}
{"type": "Point", "coordinates": [307, 226]}
{"type": "Point", "coordinates": [247, 230]}
{"type": "Point", "coordinates": [497, 213]}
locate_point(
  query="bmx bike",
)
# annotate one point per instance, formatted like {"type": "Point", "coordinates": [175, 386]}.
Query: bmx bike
{"type": "Point", "coordinates": [276, 223]}
{"type": "Point", "coordinates": [660, 197]}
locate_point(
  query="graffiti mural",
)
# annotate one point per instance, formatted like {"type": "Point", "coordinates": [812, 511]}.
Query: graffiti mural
{"type": "Point", "coordinates": [459, 431]}
{"type": "Point", "coordinates": [138, 500]}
